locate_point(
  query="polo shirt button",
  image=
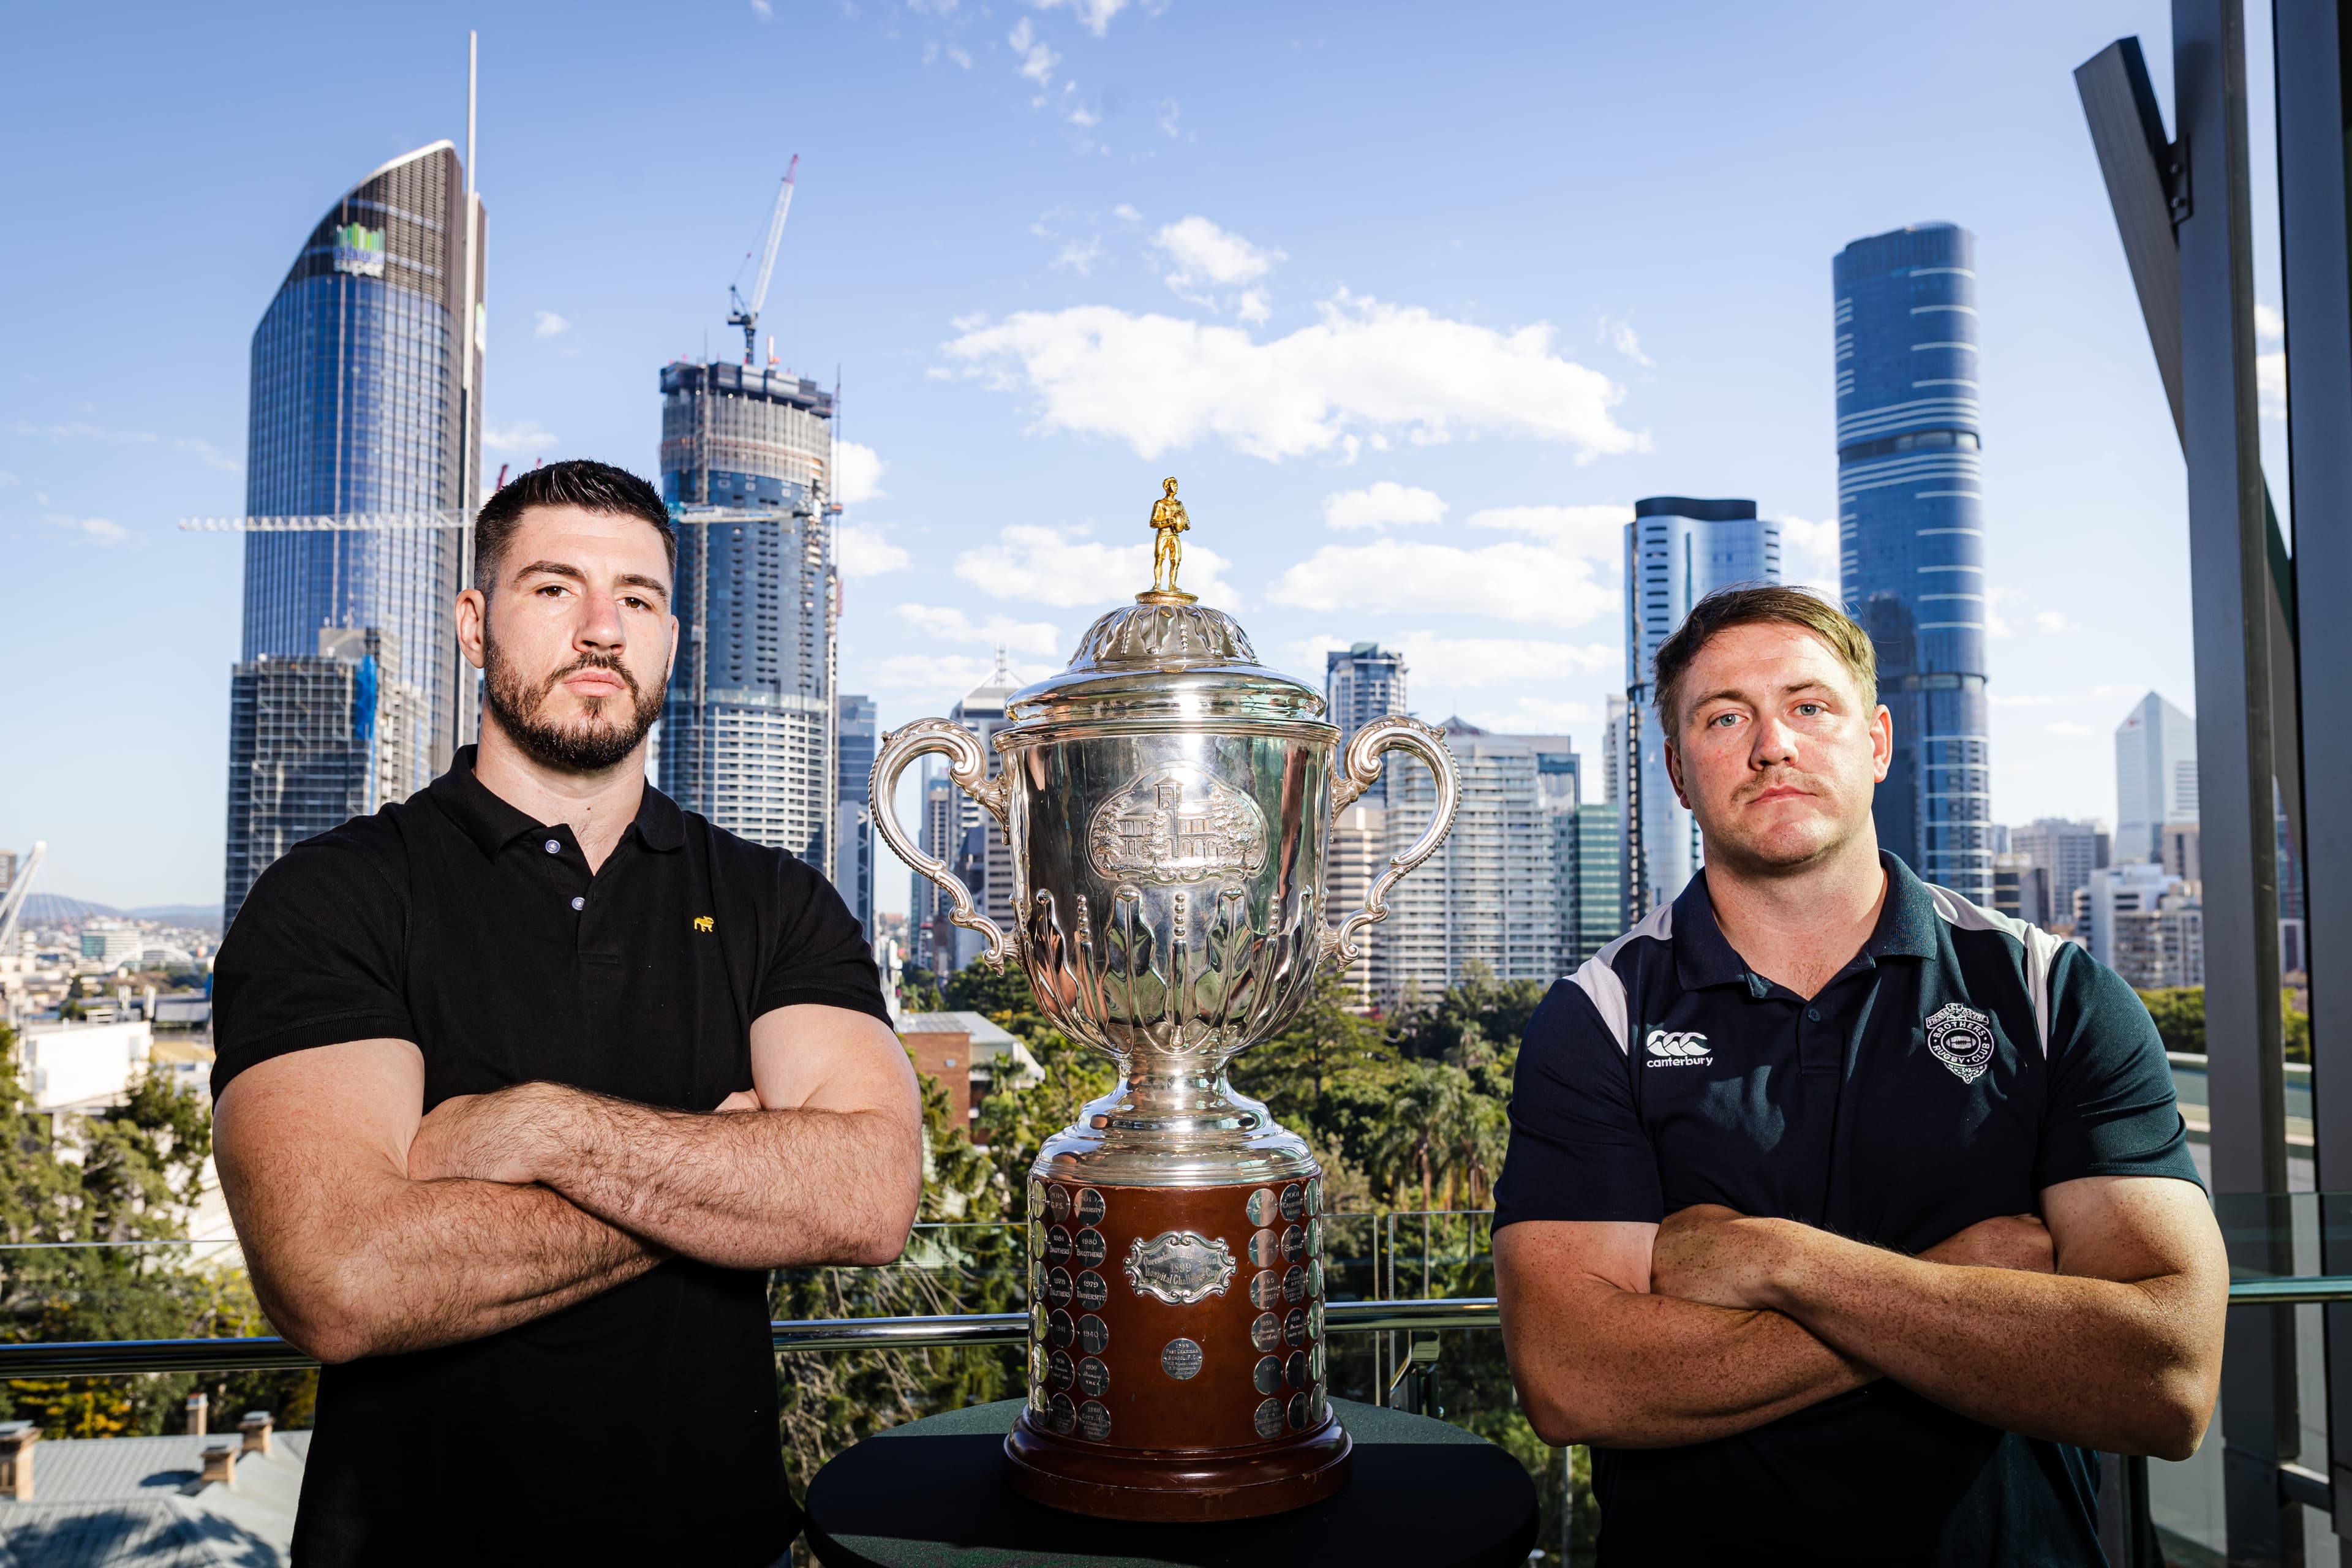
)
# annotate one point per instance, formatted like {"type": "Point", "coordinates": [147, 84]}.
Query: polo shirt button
{"type": "Point", "coordinates": [555, 847]}
{"type": "Point", "coordinates": [1812, 1013]}
{"type": "Point", "coordinates": [579, 903]}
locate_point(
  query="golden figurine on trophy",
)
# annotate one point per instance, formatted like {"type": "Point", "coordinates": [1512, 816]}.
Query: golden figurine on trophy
{"type": "Point", "coordinates": [1167, 521]}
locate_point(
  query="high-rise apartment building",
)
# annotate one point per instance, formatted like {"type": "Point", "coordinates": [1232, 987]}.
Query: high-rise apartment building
{"type": "Point", "coordinates": [366, 403]}
{"type": "Point", "coordinates": [1677, 551]}
{"type": "Point", "coordinates": [314, 741]}
{"type": "Point", "coordinates": [2069, 852]}
{"type": "Point", "coordinates": [856, 732]}
{"type": "Point", "coordinates": [2021, 889]}
{"type": "Point", "coordinates": [748, 728]}
{"type": "Point", "coordinates": [1359, 853]}
{"type": "Point", "coordinates": [1492, 891]}
{"type": "Point", "coordinates": [2156, 776]}
{"type": "Point", "coordinates": [1364, 683]}
{"type": "Point", "coordinates": [1911, 535]}
{"type": "Point", "coordinates": [1591, 889]}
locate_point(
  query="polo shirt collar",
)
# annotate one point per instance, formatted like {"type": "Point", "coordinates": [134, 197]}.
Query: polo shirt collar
{"type": "Point", "coordinates": [493, 823]}
{"type": "Point", "coordinates": [1704, 957]}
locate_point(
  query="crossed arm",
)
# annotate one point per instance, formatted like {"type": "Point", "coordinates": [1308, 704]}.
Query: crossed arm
{"type": "Point", "coordinates": [370, 1227]}
{"type": "Point", "coordinates": [2098, 1323]}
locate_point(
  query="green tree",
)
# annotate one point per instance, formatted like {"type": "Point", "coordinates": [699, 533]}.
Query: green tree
{"type": "Point", "coordinates": [2180, 1014]}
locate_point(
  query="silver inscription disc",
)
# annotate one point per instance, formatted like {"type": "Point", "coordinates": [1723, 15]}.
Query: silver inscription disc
{"type": "Point", "coordinates": [1294, 1371]}
{"type": "Point", "coordinates": [1301, 1407]}
{"type": "Point", "coordinates": [1293, 1242]}
{"type": "Point", "coordinates": [1314, 1322]}
{"type": "Point", "coordinates": [1090, 1250]}
{"type": "Point", "coordinates": [1094, 1378]}
{"type": "Point", "coordinates": [1089, 1207]}
{"type": "Point", "coordinates": [1037, 1199]}
{"type": "Point", "coordinates": [1057, 1244]}
{"type": "Point", "coordinates": [1261, 1207]}
{"type": "Point", "coordinates": [1266, 1332]}
{"type": "Point", "coordinates": [1037, 1320]}
{"type": "Point", "coordinates": [1268, 1418]}
{"type": "Point", "coordinates": [1294, 1283]}
{"type": "Point", "coordinates": [1314, 1237]}
{"type": "Point", "coordinates": [1316, 1365]}
{"type": "Point", "coordinates": [1181, 1360]}
{"type": "Point", "coordinates": [1094, 1422]}
{"type": "Point", "coordinates": [1092, 1291]}
{"type": "Point", "coordinates": [1293, 1327]}
{"type": "Point", "coordinates": [1315, 1277]}
{"type": "Point", "coordinates": [1313, 1195]}
{"type": "Point", "coordinates": [1064, 1415]}
{"type": "Point", "coordinates": [1059, 1371]}
{"type": "Point", "coordinates": [1093, 1334]}
{"type": "Point", "coordinates": [1059, 1330]}
{"type": "Point", "coordinates": [1058, 1286]}
{"type": "Point", "coordinates": [1036, 1239]}
{"type": "Point", "coordinates": [1266, 1374]}
{"type": "Point", "coordinates": [1294, 1203]}
{"type": "Point", "coordinates": [1057, 1203]}
{"type": "Point", "coordinates": [1265, 1288]}
{"type": "Point", "coordinates": [1264, 1249]}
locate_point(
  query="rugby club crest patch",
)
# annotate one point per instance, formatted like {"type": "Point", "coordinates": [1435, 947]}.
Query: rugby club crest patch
{"type": "Point", "coordinates": [1961, 1038]}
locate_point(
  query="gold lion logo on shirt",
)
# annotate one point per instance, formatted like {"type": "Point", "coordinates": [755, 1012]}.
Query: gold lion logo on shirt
{"type": "Point", "coordinates": [704, 924]}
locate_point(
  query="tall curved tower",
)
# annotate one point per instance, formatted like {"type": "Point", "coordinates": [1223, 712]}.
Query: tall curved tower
{"type": "Point", "coordinates": [1911, 539]}
{"type": "Point", "coordinates": [363, 401]}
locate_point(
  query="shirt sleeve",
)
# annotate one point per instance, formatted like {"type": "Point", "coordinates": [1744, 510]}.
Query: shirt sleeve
{"type": "Point", "coordinates": [1578, 1151]}
{"type": "Point", "coordinates": [820, 955]}
{"type": "Point", "coordinates": [314, 959]}
{"type": "Point", "coordinates": [2111, 1110]}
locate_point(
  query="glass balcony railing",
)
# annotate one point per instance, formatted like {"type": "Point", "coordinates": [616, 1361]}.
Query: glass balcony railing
{"type": "Point", "coordinates": [1412, 1314]}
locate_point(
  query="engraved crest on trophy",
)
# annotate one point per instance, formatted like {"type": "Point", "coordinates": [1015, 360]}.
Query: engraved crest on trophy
{"type": "Point", "coordinates": [1169, 803]}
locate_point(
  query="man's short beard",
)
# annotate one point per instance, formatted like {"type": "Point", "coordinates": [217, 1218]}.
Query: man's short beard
{"type": "Point", "coordinates": [588, 747]}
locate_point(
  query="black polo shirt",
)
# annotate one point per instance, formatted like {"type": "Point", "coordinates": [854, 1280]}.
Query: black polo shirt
{"type": "Point", "coordinates": [1961, 1063]}
{"type": "Point", "coordinates": [637, 1427]}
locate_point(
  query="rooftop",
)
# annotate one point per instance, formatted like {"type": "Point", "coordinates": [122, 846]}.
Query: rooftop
{"type": "Point", "coordinates": [99, 1502]}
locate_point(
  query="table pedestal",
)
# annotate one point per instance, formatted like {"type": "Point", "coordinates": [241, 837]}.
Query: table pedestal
{"type": "Point", "coordinates": [932, 1494]}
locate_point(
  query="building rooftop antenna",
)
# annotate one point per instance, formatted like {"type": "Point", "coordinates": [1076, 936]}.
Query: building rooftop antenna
{"type": "Point", "coordinates": [746, 314]}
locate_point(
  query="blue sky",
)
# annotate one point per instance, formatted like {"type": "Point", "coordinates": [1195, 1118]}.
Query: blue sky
{"type": "Point", "coordinates": [1415, 299]}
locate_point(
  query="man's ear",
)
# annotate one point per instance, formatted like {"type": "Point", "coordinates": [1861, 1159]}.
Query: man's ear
{"type": "Point", "coordinates": [473, 618]}
{"type": "Point", "coordinates": [1675, 770]}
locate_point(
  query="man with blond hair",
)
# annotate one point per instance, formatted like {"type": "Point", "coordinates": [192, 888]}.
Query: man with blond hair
{"type": "Point", "coordinates": [1842, 1216]}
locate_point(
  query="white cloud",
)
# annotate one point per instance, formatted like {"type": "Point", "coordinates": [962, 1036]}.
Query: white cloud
{"type": "Point", "coordinates": [2269, 325]}
{"type": "Point", "coordinates": [1093, 15]}
{"type": "Point", "coordinates": [1055, 567]}
{"type": "Point", "coordinates": [1439, 661]}
{"type": "Point", "coordinates": [1159, 382]}
{"type": "Point", "coordinates": [961, 57]}
{"type": "Point", "coordinates": [1079, 256]}
{"type": "Point", "coordinates": [2270, 382]}
{"type": "Point", "coordinates": [1809, 553]}
{"type": "Point", "coordinates": [948, 676]}
{"type": "Point", "coordinates": [951, 624]}
{"type": "Point", "coordinates": [1126, 213]}
{"type": "Point", "coordinates": [550, 325]}
{"type": "Point", "coordinates": [1382, 504]}
{"type": "Point", "coordinates": [861, 550]}
{"type": "Point", "coordinates": [1620, 336]}
{"type": "Point", "coordinates": [77, 430]}
{"type": "Point", "coordinates": [2054, 621]}
{"type": "Point", "coordinates": [209, 455]}
{"type": "Point", "coordinates": [104, 530]}
{"type": "Point", "coordinates": [763, 10]}
{"type": "Point", "coordinates": [1037, 61]}
{"type": "Point", "coordinates": [1543, 716]}
{"type": "Point", "coordinates": [1172, 118]}
{"type": "Point", "coordinates": [2066, 727]}
{"type": "Point", "coordinates": [1199, 252]}
{"type": "Point", "coordinates": [1540, 584]}
{"type": "Point", "coordinates": [1253, 306]}
{"type": "Point", "coordinates": [857, 473]}
{"type": "Point", "coordinates": [1598, 532]}
{"type": "Point", "coordinates": [528, 437]}
{"type": "Point", "coordinates": [2024, 700]}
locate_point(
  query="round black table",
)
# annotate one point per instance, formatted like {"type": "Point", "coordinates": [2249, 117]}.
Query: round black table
{"type": "Point", "coordinates": [932, 1494]}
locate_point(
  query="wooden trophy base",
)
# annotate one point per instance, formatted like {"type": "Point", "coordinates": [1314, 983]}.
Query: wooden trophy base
{"type": "Point", "coordinates": [1199, 1487]}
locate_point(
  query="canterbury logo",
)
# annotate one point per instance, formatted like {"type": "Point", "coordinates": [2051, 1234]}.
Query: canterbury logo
{"type": "Point", "coordinates": [1672, 1048]}
{"type": "Point", "coordinates": [703, 922]}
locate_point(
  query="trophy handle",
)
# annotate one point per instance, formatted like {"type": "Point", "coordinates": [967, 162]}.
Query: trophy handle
{"type": "Point", "coordinates": [967, 767]}
{"type": "Point", "coordinates": [1359, 771]}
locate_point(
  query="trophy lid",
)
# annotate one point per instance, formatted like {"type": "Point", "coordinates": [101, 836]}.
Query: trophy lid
{"type": "Point", "coordinates": [1167, 655]}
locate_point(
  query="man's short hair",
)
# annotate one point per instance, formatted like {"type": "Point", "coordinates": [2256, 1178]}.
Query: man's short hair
{"type": "Point", "coordinates": [590, 486]}
{"type": "Point", "coordinates": [1765, 605]}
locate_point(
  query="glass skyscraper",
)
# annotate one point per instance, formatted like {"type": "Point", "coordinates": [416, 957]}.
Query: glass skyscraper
{"type": "Point", "coordinates": [748, 724]}
{"type": "Point", "coordinates": [364, 434]}
{"type": "Point", "coordinates": [1677, 551]}
{"type": "Point", "coordinates": [1911, 535]}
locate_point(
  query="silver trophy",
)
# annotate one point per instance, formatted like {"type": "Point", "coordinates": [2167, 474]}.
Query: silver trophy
{"type": "Point", "coordinates": [1168, 804]}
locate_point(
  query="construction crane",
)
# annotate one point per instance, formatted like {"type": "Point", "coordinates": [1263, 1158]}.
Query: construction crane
{"type": "Point", "coordinates": [746, 316]}
{"type": "Point", "coordinates": [12, 899]}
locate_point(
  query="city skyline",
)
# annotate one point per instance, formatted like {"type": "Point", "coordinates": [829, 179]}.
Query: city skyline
{"type": "Point", "coordinates": [1459, 500]}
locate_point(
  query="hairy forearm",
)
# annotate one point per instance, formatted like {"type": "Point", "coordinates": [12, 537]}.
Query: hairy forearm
{"type": "Point", "coordinates": [1628, 1369]}
{"type": "Point", "coordinates": [761, 1189]}
{"type": "Point", "coordinates": [2118, 1366]}
{"type": "Point", "coordinates": [412, 1264]}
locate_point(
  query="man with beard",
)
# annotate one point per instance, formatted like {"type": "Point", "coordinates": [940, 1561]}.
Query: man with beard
{"type": "Point", "coordinates": [523, 1085]}
{"type": "Point", "coordinates": [1841, 1216]}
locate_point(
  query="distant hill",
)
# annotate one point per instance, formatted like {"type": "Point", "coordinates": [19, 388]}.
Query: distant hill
{"type": "Point", "coordinates": [55, 908]}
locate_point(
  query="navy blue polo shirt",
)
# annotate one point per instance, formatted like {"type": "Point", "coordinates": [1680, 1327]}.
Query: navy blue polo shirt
{"type": "Point", "coordinates": [1961, 1063]}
